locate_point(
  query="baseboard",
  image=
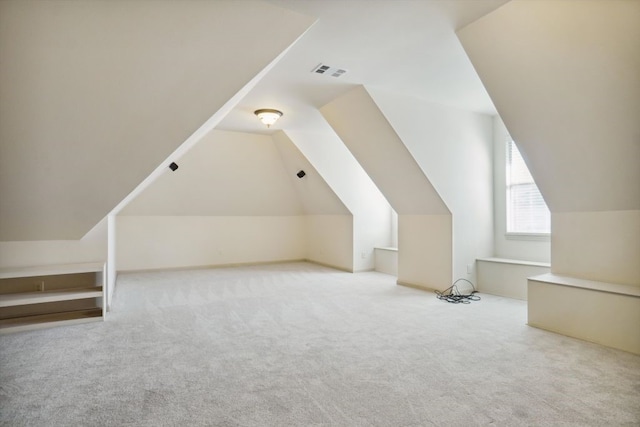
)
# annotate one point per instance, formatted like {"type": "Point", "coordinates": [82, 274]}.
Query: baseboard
{"type": "Point", "coordinates": [210, 266]}
{"type": "Point", "coordinates": [324, 264]}
{"type": "Point", "coordinates": [414, 286]}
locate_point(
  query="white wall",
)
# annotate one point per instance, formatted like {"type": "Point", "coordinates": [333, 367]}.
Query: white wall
{"type": "Point", "coordinates": [454, 150]}
{"type": "Point", "coordinates": [535, 248]}
{"type": "Point", "coordinates": [329, 240]}
{"type": "Point", "coordinates": [91, 248]}
{"type": "Point", "coordinates": [424, 247]}
{"type": "Point", "coordinates": [157, 242]}
{"type": "Point", "coordinates": [507, 278]}
{"type": "Point", "coordinates": [337, 166]}
{"type": "Point", "coordinates": [95, 95]}
{"type": "Point", "coordinates": [605, 318]}
{"type": "Point", "coordinates": [601, 246]}
{"type": "Point", "coordinates": [563, 76]}
{"type": "Point", "coordinates": [387, 260]}
{"type": "Point", "coordinates": [226, 173]}
{"type": "Point", "coordinates": [330, 235]}
{"type": "Point", "coordinates": [564, 79]}
{"type": "Point", "coordinates": [235, 188]}
{"type": "Point", "coordinates": [363, 128]}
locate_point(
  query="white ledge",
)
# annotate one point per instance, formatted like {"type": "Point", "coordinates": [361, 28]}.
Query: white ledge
{"type": "Point", "coordinates": [50, 270]}
{"type": "Point", "coordinates": [387, 249]}
{"type": "Point", "coordinates": [613, 288]}
{"type": "Point", "coordinates": [515, 261]}
{"type": "Point", "coordinates": [25, 298]}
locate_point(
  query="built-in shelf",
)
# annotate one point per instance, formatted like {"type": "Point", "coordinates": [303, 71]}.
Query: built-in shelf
{"type": "Point", "coordinates": [11, 300]}
{"type": "Point", "coordinates": [53, 295]}
{"type": "Point", "coordinates": [50, 270]}
{"type": "Point", "coordinates": [41, 321]}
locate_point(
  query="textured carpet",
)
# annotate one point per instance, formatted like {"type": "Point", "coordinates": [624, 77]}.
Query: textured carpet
{"type": "Point", "coordinates": [302, 345]}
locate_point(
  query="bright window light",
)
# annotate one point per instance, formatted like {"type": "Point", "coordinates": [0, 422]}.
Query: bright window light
{"type": "Point", "coordinates": [527, 213]}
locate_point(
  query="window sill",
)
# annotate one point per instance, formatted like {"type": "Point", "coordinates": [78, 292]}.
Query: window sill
{"type": "Point", "coordinates": [534, 237]}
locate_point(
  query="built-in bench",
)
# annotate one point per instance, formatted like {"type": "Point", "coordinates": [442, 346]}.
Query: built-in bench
{"type": "Point", "coordinates": [604, 313]}
{"type": "Point", "coordinates": [386, 260]}
{"type": "Point", "coordinates": [507, 277]}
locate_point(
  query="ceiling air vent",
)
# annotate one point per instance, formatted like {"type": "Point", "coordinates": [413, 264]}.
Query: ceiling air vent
{"type": "Point", "coordinates": [328, 70]}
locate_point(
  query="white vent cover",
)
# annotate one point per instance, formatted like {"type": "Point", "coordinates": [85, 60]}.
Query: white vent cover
{"type": "Point", "coordinates": [329, 70]}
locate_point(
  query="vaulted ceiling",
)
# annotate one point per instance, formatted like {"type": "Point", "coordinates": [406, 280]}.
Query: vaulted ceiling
{"type": "Point", "coordinates": [96, 95]}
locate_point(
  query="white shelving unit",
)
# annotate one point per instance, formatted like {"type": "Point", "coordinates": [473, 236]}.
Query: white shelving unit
{"type": "Point", "coordinates": [42, 297]}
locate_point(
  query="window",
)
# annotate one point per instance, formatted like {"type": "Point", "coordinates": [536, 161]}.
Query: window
{"type": "Point", "coordinates": [527, 213]}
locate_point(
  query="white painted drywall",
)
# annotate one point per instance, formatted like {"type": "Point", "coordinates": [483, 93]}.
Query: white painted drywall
{"type": "Point", "coordinates": [363, 128]}
{"type": "Point", "coordinates": [329, 240]}
{"type": "Point", "coordinates": [97, 94]}
{"type": "Point", "coordinates": [425, 251]}
{"type": "Point", "coordinates": [337, 166]}
{"type": "Point", "coordinates": [387, 260]}
{"type": "Point", "coordinates": [534, 249]}
{"type": "Point", "coordinates": [453, 148]}
{"type": "Point", "coordinates": [329, 224]}
{"type": "Point", "coordinates": [565, 77]}
{"type": "Point", "coordinates": [505, 278]}
{"type": "Point", "coordinates": [226, 173]}
{"type": "Point", "coordinates": [160, 242]}
{"type": "Point", "coordinates": [316, 196]}
{"type": "Point", "coordinates": [91, 248]}
{"type": "Point", "coordinates": [565, 80]}
{"type": "Point", "coordinates": [605, 318]}
{"type": "Point", "coordinates": [601, 246]}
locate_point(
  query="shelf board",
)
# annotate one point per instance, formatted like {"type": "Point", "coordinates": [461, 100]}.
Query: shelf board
{"type": "Point", "coordinates": [51, 270]}
{"type": "Point", "coordinates": [29, 323]}
{"type": "Point", "coordinates": [12, 300]}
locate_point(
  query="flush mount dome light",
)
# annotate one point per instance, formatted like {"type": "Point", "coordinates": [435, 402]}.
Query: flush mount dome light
{"type": "Point", "coordinates": [268, 116]}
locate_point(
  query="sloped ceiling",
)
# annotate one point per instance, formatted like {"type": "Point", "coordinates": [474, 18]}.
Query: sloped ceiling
{"type": "Point", "coordinates": [316, 196]}
{"type": "Point", "coordinates": [366, 132]}
{"type": "Point", "coordinates": [565, 78]}
{"type": "Point", "coordinates": [95, 95]}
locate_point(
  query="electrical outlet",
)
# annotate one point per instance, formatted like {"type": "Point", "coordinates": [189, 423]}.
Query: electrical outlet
{"type": "Point", "coordinates": [363, 254]}
{"type": "Point", "coordinates": [469, 268]}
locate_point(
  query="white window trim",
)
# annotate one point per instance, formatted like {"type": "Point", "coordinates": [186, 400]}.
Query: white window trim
{"type": "Point", "coordinates": [535, 237]}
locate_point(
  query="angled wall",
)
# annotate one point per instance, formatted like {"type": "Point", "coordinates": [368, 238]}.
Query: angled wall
{"type": "Point", "coordinates": [453, 148]}
{"type": "Point", "coordinates": [234, 199]}
{"type": "Point", "coordinates": [95, 95]}
{"type": "Point", "coordinates": [91, 248]}
{"type": "Point", "coordinates": [328, 223]}
{"type": "Point", "coordinates": [424, 221]}
{"type": "Point", "coordinates": [230, 201]}
{"type": "Point", "coordinates": [565, 78]}
{"type": "Point", "coordinates": [371, 222]}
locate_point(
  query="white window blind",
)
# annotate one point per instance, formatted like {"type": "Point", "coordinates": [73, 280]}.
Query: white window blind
{"type": "Point", "coordinates": [527, 213]}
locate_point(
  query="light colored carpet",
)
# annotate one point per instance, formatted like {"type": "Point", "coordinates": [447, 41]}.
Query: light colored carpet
{"type": "Point", "coordinates": [302, 345]}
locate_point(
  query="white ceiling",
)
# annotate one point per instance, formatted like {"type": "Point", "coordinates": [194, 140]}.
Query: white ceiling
{"type": "Point", "coordinates": [405, 46]}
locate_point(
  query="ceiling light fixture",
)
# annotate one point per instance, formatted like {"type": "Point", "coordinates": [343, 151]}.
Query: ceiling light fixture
{"type": "Point", "coordinates": [268, 116]}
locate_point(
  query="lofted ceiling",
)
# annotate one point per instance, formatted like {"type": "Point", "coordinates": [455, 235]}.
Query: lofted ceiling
{"type": "Point", "coordinates": [96, 95]}
{"type": "Point", "coordinates": [407, 47]}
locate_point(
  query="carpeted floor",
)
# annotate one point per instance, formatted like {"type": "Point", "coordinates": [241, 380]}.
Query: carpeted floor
{"type": "Point", "coordinates": [302, 345]}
